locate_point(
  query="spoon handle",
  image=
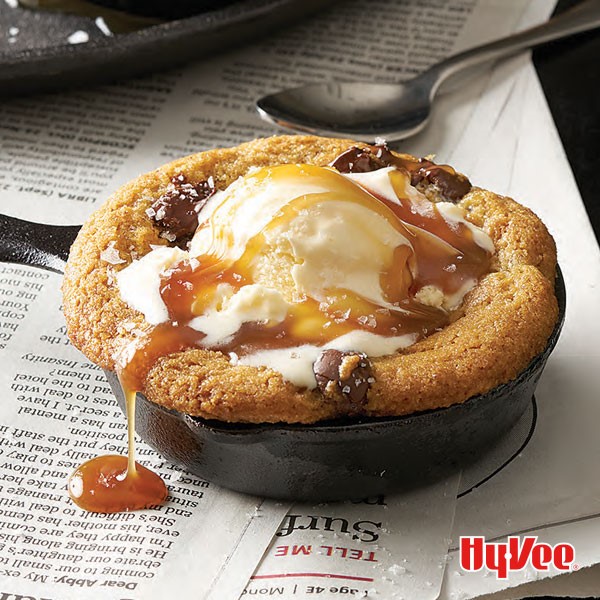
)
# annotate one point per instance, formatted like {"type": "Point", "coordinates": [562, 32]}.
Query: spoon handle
{"type": "Point", "coordinates": [582, 17]}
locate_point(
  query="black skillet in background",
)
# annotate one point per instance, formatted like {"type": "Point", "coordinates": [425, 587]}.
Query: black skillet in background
{"type": "Point", "coordinates": [39, 57]}
{"type": "Point", "coordinates": [326, 461]}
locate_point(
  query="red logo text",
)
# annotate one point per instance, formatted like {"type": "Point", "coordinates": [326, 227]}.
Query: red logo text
{"type": "Point", "coordinates": [513, 555]}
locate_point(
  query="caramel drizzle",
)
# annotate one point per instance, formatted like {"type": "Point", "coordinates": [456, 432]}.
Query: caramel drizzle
{"type": "Point", "coordinates": [444, 255]}
{"type": "Point", "coordinates": [114, 483]}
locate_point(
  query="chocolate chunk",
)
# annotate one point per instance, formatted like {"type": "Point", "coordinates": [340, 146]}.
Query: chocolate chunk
{"type": "Point", "coordinates": [364, 160]}
{"type": "Point", "coordinates": [357, 160]}
{"type": "Point", "coordinates": [176, 211]}
{"type": "Point", "coordinates": [384, 154]}
{"type": "Point", "coordinates": [348, 372]}
{"type": "Point", "coordinates": [452, 186]}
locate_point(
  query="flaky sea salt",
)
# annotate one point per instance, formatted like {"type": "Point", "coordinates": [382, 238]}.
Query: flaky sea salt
{"type": "Point", "coordinates": [79, 37]}
{"type": "Point", "coordinates": [12, 34]}
{"type": "Point", "coordinates": [167, 235]}
{"type": "Point", "coordinates": [397, 570]}
{"type": "Point", "coordinates": [110, 276]}
{"type": "Point", "coordinates": [111, 255]}
{"type": "Point", "coordinates": [102, 26]}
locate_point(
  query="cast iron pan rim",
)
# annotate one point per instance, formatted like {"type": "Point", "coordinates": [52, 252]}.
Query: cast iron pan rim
{"type": "Point", "coordinates": [381, 423]}
{"type": "Point", "coordinates": [196, 25]}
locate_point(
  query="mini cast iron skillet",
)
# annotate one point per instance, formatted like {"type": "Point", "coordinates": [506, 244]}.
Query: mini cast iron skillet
{"type": "Point", "coordinates": [327, 461]}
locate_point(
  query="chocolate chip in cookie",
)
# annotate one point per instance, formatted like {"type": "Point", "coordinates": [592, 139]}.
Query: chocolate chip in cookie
{"type": "Point", "coordinates": [347, 372]}
{"type": "Point", "coordinates": [448, 185]}
{"type": "Point", "coordinates": [176, 211]}
{"type": "Point", "coordinates": [451, 185]}
{"type": "Point", "coordinates": [357, 160]}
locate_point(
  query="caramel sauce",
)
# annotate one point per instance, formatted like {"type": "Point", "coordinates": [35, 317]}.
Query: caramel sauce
{"type": "Point", "coordinates": [436, 262]}
{"type": "Point", "coordinates": [113, 483]}
{"type": "Point", "coordinates": [442, 254]}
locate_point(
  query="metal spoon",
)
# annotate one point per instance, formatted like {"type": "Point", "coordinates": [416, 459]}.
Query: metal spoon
{"type": "Point", "coordinates": [365, 111]}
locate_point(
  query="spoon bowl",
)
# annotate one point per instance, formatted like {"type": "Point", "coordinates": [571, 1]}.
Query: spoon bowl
{"type": "Point", "coordinates": [355, 110]}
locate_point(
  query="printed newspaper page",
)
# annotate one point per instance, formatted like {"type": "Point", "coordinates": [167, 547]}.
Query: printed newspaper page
{"type": "Point", "coordinates": [382, 547]}
{"type": "Point", "coordinates": [62, 154]}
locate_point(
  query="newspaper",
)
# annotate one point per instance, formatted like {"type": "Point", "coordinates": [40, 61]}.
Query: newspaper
{"type": "Point", "coordinates": [61, 155]}
{"type": "Point", "coordinates": [387, 547]}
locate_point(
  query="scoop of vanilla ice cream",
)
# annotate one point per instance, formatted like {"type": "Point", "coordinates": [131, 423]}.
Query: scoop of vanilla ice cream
{"type": "Point", "coordinates": [303, 231]}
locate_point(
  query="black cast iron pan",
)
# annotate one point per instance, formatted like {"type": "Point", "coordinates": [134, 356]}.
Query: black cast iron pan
{"type": "Point", "coordinates": [328, 461]}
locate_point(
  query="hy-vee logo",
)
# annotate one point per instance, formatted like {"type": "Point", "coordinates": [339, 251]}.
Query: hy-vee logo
{"type": "Point", "coordinates": [516, 554]}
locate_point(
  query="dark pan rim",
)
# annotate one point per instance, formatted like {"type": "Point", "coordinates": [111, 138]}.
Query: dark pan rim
{"type": "Point", "coordinates": [233, 430]}
{"type": "Point", "coordinates": [170, 31]}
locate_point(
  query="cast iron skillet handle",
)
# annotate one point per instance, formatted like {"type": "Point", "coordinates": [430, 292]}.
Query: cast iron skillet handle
{"type": "Point", "coordinates": [36, 244]}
